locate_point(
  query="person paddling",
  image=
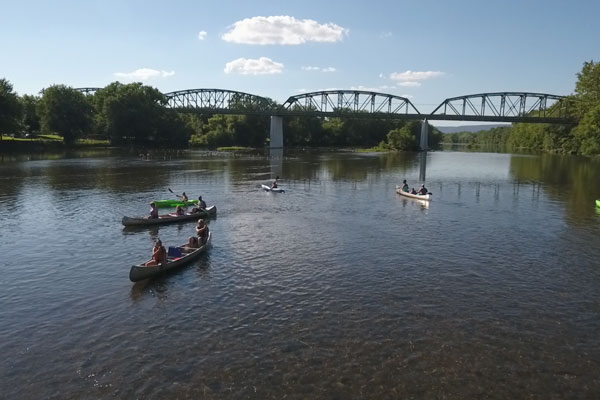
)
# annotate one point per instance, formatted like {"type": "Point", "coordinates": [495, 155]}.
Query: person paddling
{"type": "Point", "coordinates": [274, 184]}
{"type": "Point", "coordinates": [153, 211]}
{"type": "Point", "coordinates": [201, 231]}
{"type": "Point", "coordinates": [201, 206]}
{"type": "Point", "coordinates": [423, 190]}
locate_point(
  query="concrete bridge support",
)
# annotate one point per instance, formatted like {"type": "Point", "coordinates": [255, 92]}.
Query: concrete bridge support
{"type": "Point", "coordinates": [424, 134]}
{"type": "Point", "coordinates": [276, 133]}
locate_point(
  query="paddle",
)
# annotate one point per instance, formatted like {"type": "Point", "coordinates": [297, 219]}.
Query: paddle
{"type": "Point", "coordinates": [173, 192]}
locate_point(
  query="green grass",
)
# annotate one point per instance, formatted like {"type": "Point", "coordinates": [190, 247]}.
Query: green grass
{"type": "Point", "coordinates": [92, 142]}
{"type": "Point", "coordinates": [56, 138]}
{"type": "Point", "coordinates": [40, 138]}
{"type": "Point", "coordinates": [376, 149]}
{"type": "Point", "coordinates": [234, 148]}
{"type": "Point", "coordinates": [49, 137]}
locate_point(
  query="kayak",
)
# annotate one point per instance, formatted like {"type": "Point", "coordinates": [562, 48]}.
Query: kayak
{"type": "Point", "coordinates": [174, 203]}
{"type": "Point", "coordinates": [168, 218]}
{"type": "Point", "coordinates": [276, 190]}
{"type": "Point", "coordinates": [414, 196]}
{"type": "Point", "coordinates": [176, 258]}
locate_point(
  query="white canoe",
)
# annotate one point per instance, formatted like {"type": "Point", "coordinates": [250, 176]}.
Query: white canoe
{"type": "Point", "coordinates": [413, 196]}
{"type": "Point", "coordinates": [276, 190]}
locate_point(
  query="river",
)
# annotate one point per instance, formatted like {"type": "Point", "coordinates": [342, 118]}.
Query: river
{"type": "Point", "coordinates": [336, 289]}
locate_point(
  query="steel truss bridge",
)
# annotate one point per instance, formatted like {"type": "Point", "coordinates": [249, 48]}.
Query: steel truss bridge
{"type": "Point", "coordinates": [484, 107]}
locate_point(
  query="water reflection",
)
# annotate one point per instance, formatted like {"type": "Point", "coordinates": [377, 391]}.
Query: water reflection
{"type": "Point", "coordinates": [276, 162]}
{"type": "Point", "coordinates": [157, 288]}
{"type": "Point", "coordinates": [153, 230]}
{"type": "Point", "coordinates": [422, 166]}
{"type": "Point", "coordinates": [409, 201]}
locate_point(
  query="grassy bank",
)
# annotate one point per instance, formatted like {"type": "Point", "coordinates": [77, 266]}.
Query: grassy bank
{"type": "Point", "coordinates": [45, 143]}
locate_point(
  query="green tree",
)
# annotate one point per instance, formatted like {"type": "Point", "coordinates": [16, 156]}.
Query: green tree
{"type": "Point", "coordinates": [132, 113]}
{"type": "Point", "coordinates": [587, 132]}
{"type": "Point", "coordinates": [403, 138]}
{"type": "Point", "coordinates": [587, 88]}
{"type": "Point", "coordinates": [10, 108]}
{"type": "Point", "coordinates": [31, 120]}
{"type": "Point", "coordinates": [65, 111]}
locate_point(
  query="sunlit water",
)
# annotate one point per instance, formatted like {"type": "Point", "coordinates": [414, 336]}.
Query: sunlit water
{"type": "Point", "coordinates": [337, 288]}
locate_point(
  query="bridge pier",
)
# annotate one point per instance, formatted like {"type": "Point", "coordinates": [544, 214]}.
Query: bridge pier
{"type": "Point", "coordinates": [276, 132]}
{"type": "Point", "coordinates": [424, 134]}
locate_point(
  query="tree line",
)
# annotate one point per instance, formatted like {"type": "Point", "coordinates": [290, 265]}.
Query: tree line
{"type": "Point", "coordinates": [135, 114]}
{"type": "Point", "coordinates": [583, 137]}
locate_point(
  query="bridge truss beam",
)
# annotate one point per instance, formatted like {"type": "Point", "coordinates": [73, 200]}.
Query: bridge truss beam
{"type": "Point", "coordinates": [218, 101]}
{"type": "Point", "coordinates": [88, 90]}
{"type": "Point", "coordinates": [344, 101]}
{"type": "Point", "coordinates": [504, 107]}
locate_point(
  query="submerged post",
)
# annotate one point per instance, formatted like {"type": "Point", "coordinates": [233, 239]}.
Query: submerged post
{"type": "Point", "coordinates": [276, 133]}
{"type": "Point", "coordinates": [424, 134]}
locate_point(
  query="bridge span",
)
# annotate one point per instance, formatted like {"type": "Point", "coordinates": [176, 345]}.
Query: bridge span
{"type": "Point", "coordinates": [483, 107]}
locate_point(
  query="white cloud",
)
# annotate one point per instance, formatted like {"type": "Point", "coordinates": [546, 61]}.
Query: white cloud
{"type": "Point", "coordinates": [385, 35]}
{"type": "Point", "coordinates": [324, 69]}
{"type": "Point", "coordinates": [284, 30]}
{"type": "Point", "coordinates": [143, 74]}
{"type": "Point", "coordinates": [248, 66]}
{"type": "Point", "coordinates": [409, 84]}
{"type": "Point", "coordinates": [366, 89]}
{"type": "Point", "coordinates": [411, 78]}
{"type": "Point", "coordinates": [202, 35]}
{"type": "Point", "coordinates": [414, 75]}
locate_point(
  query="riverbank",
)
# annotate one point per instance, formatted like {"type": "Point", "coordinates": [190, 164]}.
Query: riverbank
{"type": "Point", "coordinates": [46, 143]}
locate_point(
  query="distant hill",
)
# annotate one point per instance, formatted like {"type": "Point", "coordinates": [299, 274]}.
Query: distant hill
{"type": "Point", "coordinates": [468, 128]}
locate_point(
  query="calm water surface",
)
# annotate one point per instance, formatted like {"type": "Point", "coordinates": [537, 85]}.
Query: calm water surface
{"type": "Point", "coordinates": [338, 288]}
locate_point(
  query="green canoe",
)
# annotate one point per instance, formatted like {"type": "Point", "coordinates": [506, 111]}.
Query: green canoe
{"type": "Point", "coordinates": [174, 203]}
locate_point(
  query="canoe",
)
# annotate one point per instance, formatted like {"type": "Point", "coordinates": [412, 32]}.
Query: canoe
{"type": "Point", "coordinates": [140, 272]}
{"type": "Point", "coordinates": [167, 218]}
{"type": "Point", "coordinates": [276, 190]}
{"type": "Point", "coordinates": [414, 196]}
{"type": "Point", "coordinates": [174, 203]}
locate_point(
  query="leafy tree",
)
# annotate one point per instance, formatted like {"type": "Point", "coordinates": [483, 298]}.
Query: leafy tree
{"type": "Point", "coordinates": [587, 88]}
{"type": "Point", "coordinates": [588, 132]}
{"type": "Point", "coordinates": [333, 132]}
{"type": "Point", "coordinates": [31, 120]}
{"type": "Point", "coordinates": [219, 131]}
{"type": "Point", "coordinates": [10, 108]}
{"type": "Point", "coordinates": [131, 113]}
{"type": "Point", "coordinates": [65, 111]}
{"type": "Point", "coordinates": [403, 138]}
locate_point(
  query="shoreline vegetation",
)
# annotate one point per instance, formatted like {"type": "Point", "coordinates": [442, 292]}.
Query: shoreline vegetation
{"type": "Point", "coordinates": [135, 116]}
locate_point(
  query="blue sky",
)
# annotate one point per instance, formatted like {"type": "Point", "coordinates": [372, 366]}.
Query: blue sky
{"type": "Point", "coordinates": [424, 50]}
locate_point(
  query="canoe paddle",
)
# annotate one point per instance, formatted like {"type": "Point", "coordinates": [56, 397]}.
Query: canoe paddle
{"type": "Point", "coordinates": [173, 192]}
